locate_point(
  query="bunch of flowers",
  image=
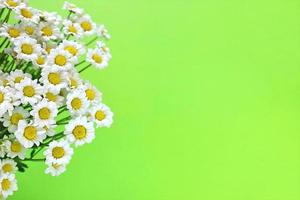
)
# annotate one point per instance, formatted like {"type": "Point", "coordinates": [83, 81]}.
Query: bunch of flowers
{"type": "Point", "coordinates": [44, 105]}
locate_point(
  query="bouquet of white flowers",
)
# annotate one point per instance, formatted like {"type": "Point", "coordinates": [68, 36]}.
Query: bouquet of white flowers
{"type": "Point", "coordinates": [44, 105]}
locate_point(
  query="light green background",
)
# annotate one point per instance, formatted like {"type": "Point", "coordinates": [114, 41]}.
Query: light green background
{"type": "Point", "coordinates": [206, 95]}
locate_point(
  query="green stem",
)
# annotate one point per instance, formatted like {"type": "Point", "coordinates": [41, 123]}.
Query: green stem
{"type": "Point", "coordinates": [83, 69]}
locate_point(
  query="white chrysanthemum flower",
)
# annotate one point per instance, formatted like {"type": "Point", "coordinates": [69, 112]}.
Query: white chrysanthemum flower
{"type": "Point", "coordinates": [41, 60]}
{"type": "Point", "coordinates": [74, 48]}
{"type": "Point", "coordinates": [12, 3]}
{"type": "Point", "coordinates": [15, 77]}
{"type": "Point", "coordinates": [29, 28]}
{"type": "Point", "coordinates": [87, 25]}
{"type": "Point", "coordinates": [77, 103]}
{"type": "Point", "coordinates": [29, 134]}
{"type": "Point", "coordinates": [12, 121]}
{"type": "Point", "coordinates": [53, 95]}
{"type": "Point", "coordinates": [11, 31]}
{"type": "Point", "coordinates": [8, 166]}
{"type": "Point", "coordinates": [48, 31]}
{"type": "Point", "coordinates": [4, 80]}
{"type": "Point", "coordinates": [8, 184]}
{"type": "Point", "coordinates": [101, 115]}
{"type": "Point", "coordinates": [91, 93]}
{"type": "Point", "coordinates": [15, 149]}
{"type": "Point", "coordinates": [102, 46]}
{"type": "Point", "coordinates": [74, 79]}
{"type": "Point", "coordinates": [72, 28]}
{"type": "Point", "coordinates": [103, 32]}
{"type": "Point", "coordinates": [54, 78]}
{"type": "Point", "coordinates": [73, 8]}
{"type": "Point", "coordinates": [55, 169]}
{"type": "Point", "coordinates": [29, 91]}
{"type": "Point", "coordinates": [26, 48]}
{"type": "Point", "coordinates": [79, 131]}
{"type": "Point", "coordinates": [27, 14]}
{"type": "Point", "coordinates": [5, 101]}
{"type": "Point", "coordinates": [61, 59]}
{"type": "Point", "coordinates": [58, 152]}
{"type": "Point", "coordinates": [97, 58]}
{"type": "Point", "coordinates": [44, 113]}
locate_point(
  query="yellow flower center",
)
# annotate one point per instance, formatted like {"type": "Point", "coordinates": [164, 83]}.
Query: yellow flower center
{"type": "Point", "coordinates": [40, 60]}
{"type": "Point", "coordinates": [90, 94]}
{"type": "Point", "coordinates": [1, 97]}
{"type": "Point", "coordinates": [7, 168]}
{"type": "Point", "coordinates": [44, 113]}
{"type": "Point", "coordinates": [86, 26]}
{"type": "Point", "coordinates": [72, 50]}
{"type": "Point", "coordinates": [5, 82]}
{"type": "Point", "coordinates": [5, 184]}
{"type": "Point", "coordinates": [79, 132]}
{"type": "Point", "coordinates": [100, 115]}
{"type": "Point", "coordinates": [54, 78]}
{"type": "Point", "coordinates": [13, 32]}
{"type": "Point", "coordinates": [74, 83]}
{"type": "Point", "coordinates": [27, 49]}
{"type": "Point", "coordinates": [51, 97]}
{"type": "Point", "coordinates": [30, 132]}
{"type": "Point", "coordinates": [15, 147]}
{"type": "Point", "coordinates": [58, 152]}
{"type": "Point", "coordinates": [48, 49]}
{"type": "Point", "coordinates": [26, 13]}
{"type": "Point", "coordinates": [76, 103]}
{"type": "Point", "coordinates": [15, 118]}
{"type": "Point", "coordinates": [97, 58]}
{"type": "Point", "coordinates": [47, 31]}
{"type": "Point", "coordinates": [72, 29]}
{"type": "Point", "coordinates": [18, 79]}
{"type": "Point", "coordinates": [55, 165]}
{"type": "Point", "coordinates": [60, 60]}
{"type": "Point", "coordinates": [12, 3]}
{"type": "Point", "coordinates": [29, 30]}
{"type": "Point", "coordinates": [28, 91]}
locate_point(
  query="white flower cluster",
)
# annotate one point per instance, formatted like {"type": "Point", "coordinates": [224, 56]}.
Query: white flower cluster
{"type": "Point", "coordinates": [44, 105]}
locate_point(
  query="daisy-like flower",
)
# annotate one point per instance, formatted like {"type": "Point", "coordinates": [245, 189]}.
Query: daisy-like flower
{"type": "Point", "coordinates": [77, 103]}
{"type": "Point", "coordinates": [91, 93]}
{"type": "Point", "coordinates": [73, 8]}
{"type": "Point", "coordinates": [5, 101]}
{"type": "Point", "coordinates": [41, 59]}
{"type": "Point", "coordinates": [53, 95]}
{"type": "Point", "coordinates": [103, 32]}
{"type": "Point", "coordinates": [44, 113]}
{"type": "Point", "coordinates": [87, 25]}
{"type": "Point", "coordinates": [29, 134]}
{"type": "Point", "coordinates": [29, 28]}
{"type": "Point", "coordinates": [72, 28]}
{"type": "Point", "coordinates": [48, 31]}
{"type": "Point", "coordinates": [61, 59]}
{"type": "Point", "coordinates": [12, 3]}
{"type": "Point", "coordinates": [4, 80]}
{"type": "Point", "coordinates": [79, 131]}
{"type": "Point", "coordinates": [58, 152]}
{"type": "Point", "coordinates": [11, 31]}
{"type": "Point", "coordinates": [53, 78]}
{"type": "Point", "coordinates": [51, 18]}
{"type": "Point", "coordinates": [11, 121]}
{"type": "Point", "coordinates": [97, 58]}
{"type": "Point", "coordinates": [26, 48]}
{"type": "Point", "coordinates": [29, 91]}
{"type": "Point", "coordinates": [15, 149]}
{"type": "Point", "coordinates": [8, 184]}
{"type": "Point", "coordinates": [17, 76]}
{"type": "Point", "coordinates": [55, 169]}
{"type": "Point", "coordinates": [74, 48]}
{"type": "Point", "coordinates": [74, 79]}
{"type": "Point", "coordinates": [101, 115]}
{"type": "Point", "coordinates": [27, 14]}
{"type": "Point", "coordinates": [8, 166]}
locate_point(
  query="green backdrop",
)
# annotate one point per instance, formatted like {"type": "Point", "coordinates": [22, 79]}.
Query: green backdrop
{"type": "Point", "coordinates": [206, 96]}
